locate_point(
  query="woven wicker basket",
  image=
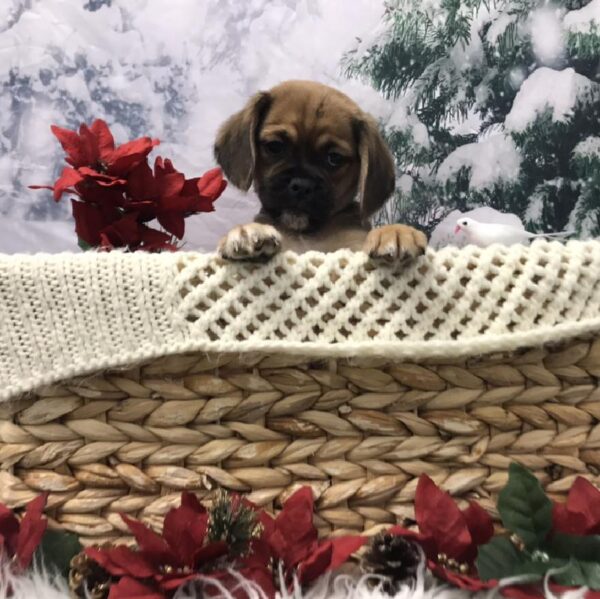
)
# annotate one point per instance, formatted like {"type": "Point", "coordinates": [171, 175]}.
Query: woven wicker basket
{"type": "Point", "coordinates": [128, 434]}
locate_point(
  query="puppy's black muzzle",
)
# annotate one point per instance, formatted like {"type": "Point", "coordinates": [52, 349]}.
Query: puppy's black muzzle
{"type": "Point", "coordinates": [298, 192]}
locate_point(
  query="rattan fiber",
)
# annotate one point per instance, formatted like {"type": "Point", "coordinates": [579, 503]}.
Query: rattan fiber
{"type": "Point", "coordinates": [359, 431]}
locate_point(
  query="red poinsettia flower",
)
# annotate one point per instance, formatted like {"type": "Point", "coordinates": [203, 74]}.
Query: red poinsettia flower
{"type": "Point", "coordinates": [292, 539]}
{"type": "Point", "coordinates": [92, 155]}
{"type": "Point", "coordinates": [129, 588]}
{"type": "Point", "coordinates": [580, 515]}
{"type": "Point", "coordinates": [19, 540]}
{"type": "Point", "coordinates": [449, 533]}
{"type": "Point", "coordinates": [118, 194]}
{"type": "Point", "coordinates": [166, 561]}
{"type": "Point", "coordinates": [531, 591]}
{"type": "Point", "coordinates": [169, 197]}
{"type": "Point", "coordinates": [211, 185]}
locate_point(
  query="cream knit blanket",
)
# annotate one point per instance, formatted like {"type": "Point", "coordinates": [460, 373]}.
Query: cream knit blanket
{"type": "Point", "coordinates": [67, 315]}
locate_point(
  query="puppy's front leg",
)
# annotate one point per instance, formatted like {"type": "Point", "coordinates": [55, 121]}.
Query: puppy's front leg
{"type": "Point", "coordinates": [395, 243]}
{"type": "Point", "coordinates": [254, 241]}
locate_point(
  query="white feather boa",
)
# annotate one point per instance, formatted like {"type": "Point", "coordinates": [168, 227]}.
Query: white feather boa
{"type": "Point", "coordinates": [39, 584]}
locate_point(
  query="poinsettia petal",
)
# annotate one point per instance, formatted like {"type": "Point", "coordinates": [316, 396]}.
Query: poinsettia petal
{"type": "Point", "coordinates": [523, 591]}
{"type": "Point", "coordinates": [104, 138]}
{"type": "Point", "coordinates": [259, 555]}
{"type": "Point", "coordinates": [479, 523]}
{"type": "Point", "coordinates": [212, 184]}
{"type": "Point", "coordinates": [164, 166]}
{"type": "Point", "coordinates": [102, 557]}
{"type": "Point", "coordinates": [462, 581]}
{"type": "Point", "coordinates": [106, 198]}
{"type": "Point", "coordinates": [89, 144]}
{"type": "Point", "coordinates": [72, 145]}
{"type": "Point", "coordinates": [170, 185]}
{"type": "Point", "coordinates": [294, 536]}
{"type": "Point", "coordinates": [438, 517]}
{"type": "Point", "coordinates": [132, 562]}
{"type": "Point", "coordinates": [172, 222]}
{"type": "Point", "coordinates": [530, 591]}
{"type": "Point", "coordinates": [153, 546]}
{"type": "Point", "coordinates": [9, 529]}
{"type": "Point", "coordinates": [172, 582]}
{"type": "Point", "coordinates": [88, 222]}
{"type": "Point", "coordinates": [582, 514]}
{"type": "Point", "coordinates": [315, 564]}
{"type": "Point", "coordinates": [209, 552]}
{"type": "Point", "coordinates": [69, 178]}
{"type": "Point", "coordinates": [125, 231]}
{"type": "Point", "coordinates": [344, 547]}
{"type": "Point", "coordinates": [153, 240]}
{"type": "Point", "coordinates": [191, 501]}
{"type": "Point", "coordinates": [101, 178]}
{"type": "Point", "coordinates": [301, 501]}
{"type": "Point", "coordinates": [262, 577]}
{"type": "Point", "coordinates": [50, 187]}
{"type": "Point", "coordinates": [141, 183]}
{"type": "Point", "coordinates": [128, 588]}
{"type": "Point", "coordinates": [177, 532]}
{"type": "Point", "coordinates": [128, 155]}
{"type": "Point", "coordinates": [31, 530]}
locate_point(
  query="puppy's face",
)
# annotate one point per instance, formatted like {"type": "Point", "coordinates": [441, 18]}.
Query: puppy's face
{"type": "Point", "coordinates": [309, 150]}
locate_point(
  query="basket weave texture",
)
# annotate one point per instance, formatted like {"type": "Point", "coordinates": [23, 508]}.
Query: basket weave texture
{"type": "Point", "coordinates": [229, 376]}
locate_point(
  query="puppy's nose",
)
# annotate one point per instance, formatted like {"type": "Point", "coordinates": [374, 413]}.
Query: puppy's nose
{"type": "Point", "coordinates": [302, 188]}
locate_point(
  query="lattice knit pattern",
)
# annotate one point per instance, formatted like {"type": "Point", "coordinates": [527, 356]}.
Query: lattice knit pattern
{"type": "Point", "coordinates": [67, 315]}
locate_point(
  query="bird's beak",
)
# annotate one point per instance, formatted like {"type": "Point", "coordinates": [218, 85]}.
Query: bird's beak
{"type": "Point", "coordinates": [457, 229]}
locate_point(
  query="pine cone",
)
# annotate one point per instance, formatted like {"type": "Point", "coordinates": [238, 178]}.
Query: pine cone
{"type": "Point", "coordinates": [87, 579]}
{"type": "Point", "coordinates": [394, 558]}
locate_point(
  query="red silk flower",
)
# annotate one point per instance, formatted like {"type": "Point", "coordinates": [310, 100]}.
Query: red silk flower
{"type": "Point", "coordinates": [292, 539]}
{"type": "Point", "coordinates": [446, 530]}
{"type": "Point", "coordinates": [117, 194]}
{"type": "Point", "coordinates": [168, 561]}
{"type": "Point", "coordinates": [20, 539]}
{"type": "Point", "coordinates": [580, 515]}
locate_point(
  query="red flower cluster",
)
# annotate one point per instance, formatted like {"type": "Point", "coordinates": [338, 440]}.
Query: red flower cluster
{"type": "Point", "coordinates": [288, 551]}
{"type": "Point", "coordinates": [118, 193]}
{"type": "Point", "coordinates": [580, 515]}
{"type": "Point", "coordinates": [163, 563]}
{"type": "Point", "coordinates": [291, 539]}
{"type": "Point", "coordinates": [449, 537]}
{"type": "Point", "coordinates": [20, 539]}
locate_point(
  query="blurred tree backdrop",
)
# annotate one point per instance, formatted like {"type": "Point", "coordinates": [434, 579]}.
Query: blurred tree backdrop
{"type": "Point", "coordinates": [497, 104]}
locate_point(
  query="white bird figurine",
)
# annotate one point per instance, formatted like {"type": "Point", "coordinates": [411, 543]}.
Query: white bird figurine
{"type": "Point", "coordinates": [484, 234]}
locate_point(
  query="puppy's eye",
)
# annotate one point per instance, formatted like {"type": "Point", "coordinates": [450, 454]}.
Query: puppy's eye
{"type": "Point", "coordinates": [274, 147]}
{"type": "Point", "coordinates": [334, 159]}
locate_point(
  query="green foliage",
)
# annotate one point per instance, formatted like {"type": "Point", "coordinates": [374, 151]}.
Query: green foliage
{"type": "Point", "coordinates": [498, 559]}
{"type": "Point", "coordinates": [534, 550]}
{"type": "Point", "coordinates": [233, 521]}
{"type": "Point", "coordinates": [467, 59]}
{"type": "Point", "coordinates": [524, 507]}
{"type": "Point", "coordinates": [56, 551]}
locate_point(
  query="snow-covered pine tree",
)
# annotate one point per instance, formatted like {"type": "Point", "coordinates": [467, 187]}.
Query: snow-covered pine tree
{"type": "Point", "coordinates": [496, 104]}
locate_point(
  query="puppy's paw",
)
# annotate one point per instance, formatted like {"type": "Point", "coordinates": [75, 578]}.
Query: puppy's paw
{"type": "Point", "coordinates": [250, 242]}
{"type": "Point", "coordinates": [395, 244]}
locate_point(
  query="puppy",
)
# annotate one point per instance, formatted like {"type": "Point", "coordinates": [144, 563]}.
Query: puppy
{"type": "Point", "coordinates": [320, 168]}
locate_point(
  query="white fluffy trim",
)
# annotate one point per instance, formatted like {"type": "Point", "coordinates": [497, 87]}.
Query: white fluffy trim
{"type": "Point", "coordinates": [38, 584]}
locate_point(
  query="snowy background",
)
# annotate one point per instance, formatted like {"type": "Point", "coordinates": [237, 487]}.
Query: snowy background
{"type": "Point", "coordinates": [173, 70]}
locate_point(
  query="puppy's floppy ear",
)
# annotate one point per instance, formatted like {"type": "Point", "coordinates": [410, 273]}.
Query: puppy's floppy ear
{"type": "Point", "coordinates": [235, 147]}
{"type": "Point", "coordinates": [377, 171]}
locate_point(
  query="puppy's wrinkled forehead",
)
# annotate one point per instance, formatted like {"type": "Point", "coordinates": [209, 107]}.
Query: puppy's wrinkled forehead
{"type": "Point", "coordinates": [307, 113]}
